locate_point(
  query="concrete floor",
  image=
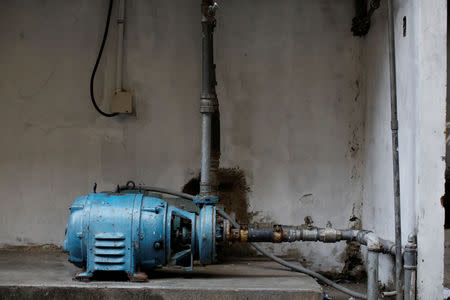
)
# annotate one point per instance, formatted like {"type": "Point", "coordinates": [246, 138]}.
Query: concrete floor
{"type": "Point", "coordinates": [48, 275]}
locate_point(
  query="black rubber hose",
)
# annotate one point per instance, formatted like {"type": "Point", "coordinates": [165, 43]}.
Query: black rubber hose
{"type": "Point", "coordinates": [158, 190]}
{"type": "Point", "coordinates": [294, 267]}
{"type": "Point", "coordinates": [99, 56]}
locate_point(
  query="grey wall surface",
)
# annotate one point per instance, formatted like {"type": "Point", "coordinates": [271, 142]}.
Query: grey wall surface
{"type": "Point", "coordinates": [378, 178]}
{"type": "Point", "coordinates": [289, 90]}
{"type": "Point", "coordinates": [292, 114]}
{"type": "Point", "coordinates": [421, 84]}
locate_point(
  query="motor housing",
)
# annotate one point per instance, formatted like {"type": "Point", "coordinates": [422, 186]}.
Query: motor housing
{"type": "Point", "coordinates": [134, 232]}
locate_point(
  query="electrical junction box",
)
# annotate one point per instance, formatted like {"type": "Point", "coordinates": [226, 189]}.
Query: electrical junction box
{"type": "Point", "coordinates": [122, 102]}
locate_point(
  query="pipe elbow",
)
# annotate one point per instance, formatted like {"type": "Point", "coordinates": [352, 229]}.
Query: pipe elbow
{"type": "Point", "coordinates": [373, 243]}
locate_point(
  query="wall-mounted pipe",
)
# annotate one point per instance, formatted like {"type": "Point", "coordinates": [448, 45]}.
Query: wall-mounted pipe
{"type": "Point", "coordinates": [395, 155]}
{"type": "Point", "coordinates": [410, 267]}
{"type": "Point", "coordinates": [205, 181]}
{"type": "Point", "coordinates": [372, 275]}
{"type": "Point", "coordinates": [208, 101]}
{"type": "Point", "coordinates": [373, 249]}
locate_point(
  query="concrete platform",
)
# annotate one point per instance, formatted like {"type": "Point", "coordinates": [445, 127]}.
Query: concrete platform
{"type": "Point", "coordinates": [48, 275]}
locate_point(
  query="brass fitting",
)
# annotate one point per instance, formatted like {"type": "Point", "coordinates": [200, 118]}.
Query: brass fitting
{"type": "Point", "coordinates": [244, 235]}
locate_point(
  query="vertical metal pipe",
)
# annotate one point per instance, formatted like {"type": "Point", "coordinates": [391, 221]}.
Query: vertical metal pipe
{"type": "Point", "coordinates": [374, 247]}
{"type": "Point", "coordinates": [410, 266]}
{"type": "Point", "coordinates": [395, 155]}
{"type": "Point", "coordinates": [208, 101]}
{"type": "Point", "coordinates": [372, 275]}
{"type": "Point", "coordinates": [120, 34]}
{"type": "Point", "coordinates": [205, 186]}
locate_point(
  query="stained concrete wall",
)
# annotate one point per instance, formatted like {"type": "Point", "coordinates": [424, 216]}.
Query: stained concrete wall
{"type": "Point", "coordinates": [378, 212]}
{"type": "Point", "coordinates": [292, 112]}
{"type": "Point", "coordinates": [420, 31]}
{"type": "Point", "coordinates": [305, 114]}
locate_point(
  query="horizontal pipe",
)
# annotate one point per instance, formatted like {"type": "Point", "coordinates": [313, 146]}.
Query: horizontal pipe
{"type": "Point", "coordinates": [293, 267]}
{"type": "Point", "coordinates": [282, 233]}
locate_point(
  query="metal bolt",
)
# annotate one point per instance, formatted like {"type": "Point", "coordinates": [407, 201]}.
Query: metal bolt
{"type": "Point", "coordinates": [157, 245]}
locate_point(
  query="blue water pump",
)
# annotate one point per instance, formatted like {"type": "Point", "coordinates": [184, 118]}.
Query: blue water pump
{"type": "Point", "coordinates": [134, 232]}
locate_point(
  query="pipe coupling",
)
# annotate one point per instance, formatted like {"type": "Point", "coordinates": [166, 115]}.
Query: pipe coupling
{"type": "Point", "coordinates": [209, 103]}
{"type": "Point", "coordinates": [310, 235]}
{"type": "Point", "coordinates": [329, 235]}
{"type": "Point", "coordinates": [410, 255]}
{"type": "Point", "coordinates": [291, 234]}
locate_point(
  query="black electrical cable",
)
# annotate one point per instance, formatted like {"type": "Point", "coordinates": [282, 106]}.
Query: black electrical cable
{"type": "Point", "coordinates": [99, 56]}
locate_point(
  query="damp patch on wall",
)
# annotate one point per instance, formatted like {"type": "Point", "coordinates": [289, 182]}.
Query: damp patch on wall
{"type": "Point", "coordinates": [233, 195]}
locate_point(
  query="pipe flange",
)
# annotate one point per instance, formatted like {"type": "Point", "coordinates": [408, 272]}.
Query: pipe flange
{"type": "Point", "coordinates": [207, 199]}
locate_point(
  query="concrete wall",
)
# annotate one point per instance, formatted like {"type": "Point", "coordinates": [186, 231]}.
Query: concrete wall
{"type": "Point", "coordinates": [305, 113]}
{"type": "Point", "coordinates": [378, 178]}
{"type": "Point", "coordinates": [292, 114]}
{"type": "Point", "coordinates": [289, 92]}
{"type": "Point", "coordinates": [421, 71]}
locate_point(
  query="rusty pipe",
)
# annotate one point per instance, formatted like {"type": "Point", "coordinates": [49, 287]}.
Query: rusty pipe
{"type": "Point", "coordinates": [283, 234]}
